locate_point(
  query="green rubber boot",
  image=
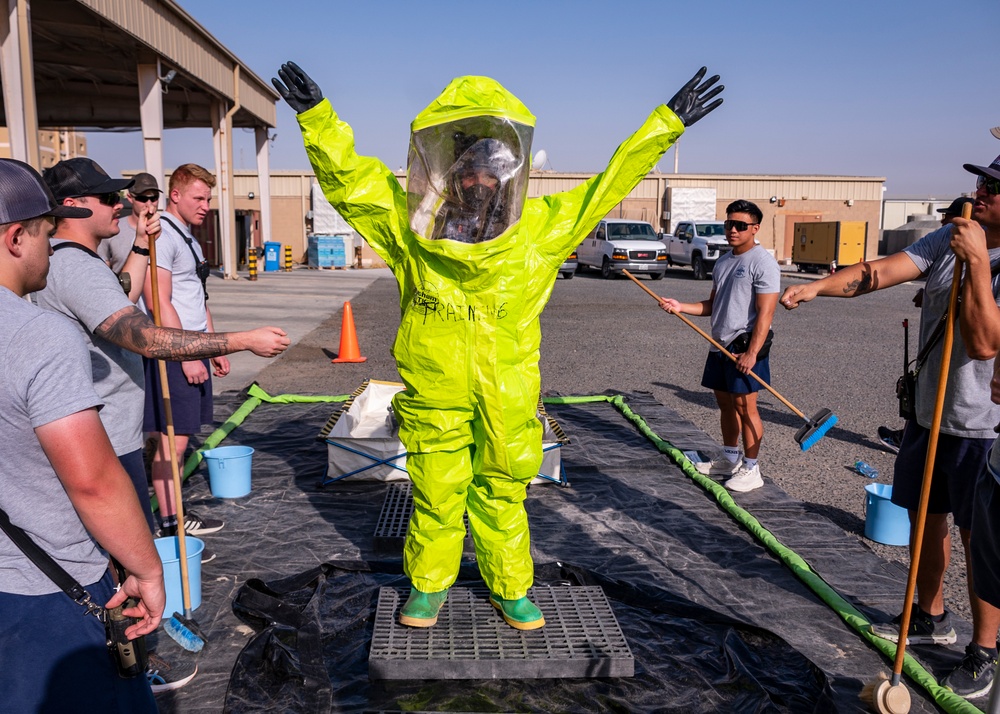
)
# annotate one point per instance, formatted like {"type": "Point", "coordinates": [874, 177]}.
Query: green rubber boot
{"type": "Point", "coordinates": [421, 609]}
{"type": "Point", "coordinates": [521, 614]}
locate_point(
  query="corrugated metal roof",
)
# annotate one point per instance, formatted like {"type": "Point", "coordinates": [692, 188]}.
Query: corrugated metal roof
{"type": "Point", "coordinates": [183, 43]}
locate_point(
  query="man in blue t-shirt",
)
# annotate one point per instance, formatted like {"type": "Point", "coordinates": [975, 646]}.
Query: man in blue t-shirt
{"type": "Point", "coordinates": [745, 285]}
{"type": "Point", "coordinates": [62, 485]}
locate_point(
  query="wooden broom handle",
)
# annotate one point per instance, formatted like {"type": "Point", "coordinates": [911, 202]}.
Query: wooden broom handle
{"type": "Point", "coordinates": [947, 343]}
{"type": "Point", "coordinates": [722, 349]}
{"type": "Point", "coordinates": [171, 437]}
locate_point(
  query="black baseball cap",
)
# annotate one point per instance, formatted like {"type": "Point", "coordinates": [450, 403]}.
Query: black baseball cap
{"type": "Point", "coordinates": [991, 171]}
{"type": "Point", "coordinates": [144, 183]}
{"type": "Point", "coordinates": [955, 209]}
{"type": "Point", "coordinates": [24, 195]}
{"type": "Point", "coordinates": [81, 176]}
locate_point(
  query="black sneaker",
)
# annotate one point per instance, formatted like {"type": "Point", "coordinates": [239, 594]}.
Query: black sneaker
{"type": "Point", "coordinates": [196, 525]}
{"type": "Point", "coordinates": [923, 630]}
{"type": "Point", "coordinates": [890, 438]}
{"type": "Point", "coordinates": [165, 674]}
{"type": "Point", "coordinates": [207, 556]}
{"type": "Point", "coordinates": [974, 676]}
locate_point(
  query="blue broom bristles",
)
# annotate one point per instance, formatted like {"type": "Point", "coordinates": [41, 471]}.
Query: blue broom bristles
{"type": "Point", "coordinates": [812, 432]}
{"type": "Point", "coordinates": [185, 633]}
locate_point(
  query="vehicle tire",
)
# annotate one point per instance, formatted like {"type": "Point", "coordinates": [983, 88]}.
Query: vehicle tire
{"type": "Point", "coordinates": [606, 272]}
{"type": "Point", "coordinates": [656, 276]}
{"type": "Point", "coordinates": [568, 275]}
{"type": "Point", "coordinates": [698, 265]}
{"type": "Point", "coordinates": [580, 268]}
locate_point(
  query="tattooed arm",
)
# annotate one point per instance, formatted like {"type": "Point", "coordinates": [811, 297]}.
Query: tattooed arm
{"type": "Point", "coordinates": [855, 280]}
{"type": "Point", "coordinates": [131, 329]}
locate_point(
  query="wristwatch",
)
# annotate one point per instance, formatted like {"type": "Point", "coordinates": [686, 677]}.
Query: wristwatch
{"type": "Point", "coordinates": [140, 251]}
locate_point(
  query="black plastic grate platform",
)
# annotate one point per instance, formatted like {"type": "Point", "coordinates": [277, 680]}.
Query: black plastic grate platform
{"type": "Point", "coordinates": [390, 531]}
{"type": "Point", "coordinates": [581, 638]}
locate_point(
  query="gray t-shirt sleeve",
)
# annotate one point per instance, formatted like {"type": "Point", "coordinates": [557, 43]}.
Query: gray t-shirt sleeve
{"type": "Point", "coordinates": [51, 371]}
{"type": "Point", "coordinates": [930, 248]}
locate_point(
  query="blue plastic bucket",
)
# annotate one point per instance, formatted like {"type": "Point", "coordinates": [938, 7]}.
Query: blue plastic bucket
{"type": "Point", "coordinates": [229, 470]}
{"type": "Point", "coordinates": [169, 552]}
{"type": "Point", "coordinates": [885, 522]}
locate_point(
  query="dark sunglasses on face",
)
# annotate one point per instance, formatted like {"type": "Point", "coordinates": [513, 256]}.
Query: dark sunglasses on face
{"type": "Point", "coordinates": [738, 225]}
{"type": "Point", "coordinates": [991, 185]}
{"type": "Point", "coordinates": [144, 199]}
{"type": "Point", "coordinates": [108, 199]}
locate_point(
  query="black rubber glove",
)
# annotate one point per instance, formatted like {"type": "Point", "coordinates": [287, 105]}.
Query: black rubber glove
{"type": "Point", "coordinates": [298, 89]}
{"type": "Point", "coordinates": [691, 102]}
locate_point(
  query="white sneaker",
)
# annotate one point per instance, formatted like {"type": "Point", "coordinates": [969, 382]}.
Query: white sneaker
{"type": "Point", "coordinates": [746, 479]}
{"type": "Point", "coordinates": [718, 467]}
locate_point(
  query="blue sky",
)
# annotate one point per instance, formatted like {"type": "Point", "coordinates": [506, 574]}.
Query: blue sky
{"type": "Point", "coordinates": [905, 90]}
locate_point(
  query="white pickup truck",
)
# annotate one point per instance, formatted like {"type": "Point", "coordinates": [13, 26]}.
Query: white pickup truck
{"type": "Point", "coordinates": [618, 244]}
{"type": "Point", "coordinates": [698, 244]}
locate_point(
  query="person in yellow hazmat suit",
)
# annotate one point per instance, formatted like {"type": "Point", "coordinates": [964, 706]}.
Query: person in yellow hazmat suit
{"type": "Point", "coordinates": [476, 262]}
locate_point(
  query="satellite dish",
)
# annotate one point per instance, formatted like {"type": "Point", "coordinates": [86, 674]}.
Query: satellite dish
{"type": "Point", "coordinates": [995, 131]}
{"type": "Point", "coordinates": [540, 158]}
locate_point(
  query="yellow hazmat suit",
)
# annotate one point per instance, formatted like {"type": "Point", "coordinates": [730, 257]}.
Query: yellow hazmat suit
{"type": "Point", "coordinates": [467, 346]}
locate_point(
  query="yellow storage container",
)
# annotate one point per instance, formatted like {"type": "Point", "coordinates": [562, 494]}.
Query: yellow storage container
{"type": "Point", "coordinates": [829, 245]}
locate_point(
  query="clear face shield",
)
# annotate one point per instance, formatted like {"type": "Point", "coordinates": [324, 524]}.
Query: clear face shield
{"type": "Point", "coordinates": [467, 180]}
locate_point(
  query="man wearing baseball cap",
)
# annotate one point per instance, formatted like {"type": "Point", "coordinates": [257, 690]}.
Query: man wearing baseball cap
{"type": "Point", "coordinates": [62, 485]}
{"type": "Point", "coordinates": [82, 287]}
{"type": "Point", "coordinates": [118, 250]}
{"type": "Point", "coordinates": [984, 229]}
{"type": "Point", "coordinates": [118, 334]}
{"type": "Point", "coordinates": [967, 421]}
{"type": "Point", "coordinates": [954, 210]}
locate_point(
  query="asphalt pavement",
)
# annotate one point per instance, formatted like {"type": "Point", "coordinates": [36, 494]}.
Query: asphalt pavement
{"type": "Point", "coordinates": [297, 302]}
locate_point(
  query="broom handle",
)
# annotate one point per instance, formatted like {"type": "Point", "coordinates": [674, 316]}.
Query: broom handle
{"type": "Point", "coordinates": [722, 349]}
{"type": "Point", "coordinates": [932, 442]}
{"type": "Point", "coordinates": [171, 438]}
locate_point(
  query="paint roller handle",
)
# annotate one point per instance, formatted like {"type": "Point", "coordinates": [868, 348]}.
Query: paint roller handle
{"type": "Point", "coordinates": [719, 347]}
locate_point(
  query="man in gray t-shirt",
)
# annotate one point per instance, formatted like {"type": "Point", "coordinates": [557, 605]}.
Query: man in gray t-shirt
{"type": "Point", "coordinates": [745, 285]}
{"type": "Point", "coordinates": [61, 484]}
{"type": "Point", "coordinates": [117, 333]}
{"type": "Point", "coordinates": [967, 419]}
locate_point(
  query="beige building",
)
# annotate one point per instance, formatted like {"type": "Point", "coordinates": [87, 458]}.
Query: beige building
{"type": "Point", "coordinates": [54, 145]}
{"type": "Point", "coordinates": [784, 200]}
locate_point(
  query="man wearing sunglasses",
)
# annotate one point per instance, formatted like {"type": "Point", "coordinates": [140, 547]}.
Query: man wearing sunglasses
{"type": "Point", "coordinates": [967, 419]}
{"type": "Point", "coordinates": [745, 285]}
{"type": "Point", "coordinates": [117, 250]}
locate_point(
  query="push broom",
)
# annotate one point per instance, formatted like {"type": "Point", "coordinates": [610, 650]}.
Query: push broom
{"type": "Point", "coordinates": [814, 428]}
{"type": "Point", "coordinates": [890, 696]}
{"type": "Point", "coordinates": [182, 629]}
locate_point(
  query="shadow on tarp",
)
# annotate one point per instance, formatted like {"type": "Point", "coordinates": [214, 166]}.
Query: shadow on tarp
{"type": "Point", "coordinates": [310, 654]}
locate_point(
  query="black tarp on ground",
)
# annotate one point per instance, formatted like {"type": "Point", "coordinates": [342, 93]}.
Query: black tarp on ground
{"type": "Point", "coordinates": [734, 630]}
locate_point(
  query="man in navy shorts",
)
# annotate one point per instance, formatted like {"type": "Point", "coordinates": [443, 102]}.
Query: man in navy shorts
{"type": "Point", "coordinates": [968, 417]}
{"type": "Point", "coordinates": [745, 286]}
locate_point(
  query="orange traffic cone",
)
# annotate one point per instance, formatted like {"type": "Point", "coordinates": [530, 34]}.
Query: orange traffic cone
{"type": "Point", "coordinates": [349, 351]}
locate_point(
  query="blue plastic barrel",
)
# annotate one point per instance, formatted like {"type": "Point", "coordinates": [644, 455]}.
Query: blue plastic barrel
{"type": "Point", "coordinates": [272, 256]}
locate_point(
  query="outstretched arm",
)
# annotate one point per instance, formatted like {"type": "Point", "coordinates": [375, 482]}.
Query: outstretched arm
{"type": "Point", "coordinates": [132, 329]}
{"type": "Point", "coordinates": [854, 280]}
{"type": "Point", "coordinates": [362, 189]}
{"type": "Point", "coordinates": [561, 221]}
